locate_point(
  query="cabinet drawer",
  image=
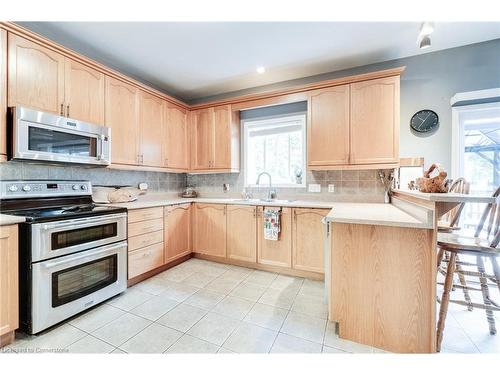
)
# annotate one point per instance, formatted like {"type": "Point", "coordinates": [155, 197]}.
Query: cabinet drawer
{"type": "Point", "coordinates": [144, 240]}
{"type": "Point", "coordinates": [144, 260]}
{"type": "Point", "coordinates": [142, 227]}
{"type": "Point", "coordinates": [145, 214]}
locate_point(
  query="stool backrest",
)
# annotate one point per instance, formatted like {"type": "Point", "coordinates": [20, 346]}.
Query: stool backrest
{"type": "Point", "coordinates": [461, 186]}
{"type": "Point", "coordinates": [491, 219]}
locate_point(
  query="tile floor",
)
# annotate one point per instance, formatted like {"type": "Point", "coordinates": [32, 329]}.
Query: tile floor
{"type": "Point", "coordinates": [206, 307]}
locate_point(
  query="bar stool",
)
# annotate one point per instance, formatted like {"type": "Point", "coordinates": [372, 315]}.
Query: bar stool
{"type": "Point", "coordinates": [449, 223]}
{"type": "Point", "coordinates": [483, 245]}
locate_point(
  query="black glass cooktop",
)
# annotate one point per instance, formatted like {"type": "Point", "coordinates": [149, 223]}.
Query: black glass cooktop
{"type": "Point", "coordinates": [65, 212]}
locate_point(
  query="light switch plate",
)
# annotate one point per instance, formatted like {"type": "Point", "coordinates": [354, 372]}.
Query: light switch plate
{"type": "Point", "coordinates": [331, 188]}
{"type": "Point", "coordinates": [314, 188]}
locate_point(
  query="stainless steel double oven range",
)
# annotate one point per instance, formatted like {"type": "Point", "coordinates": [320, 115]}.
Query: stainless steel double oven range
{"type": "Point", "coordinates": [73, 254]}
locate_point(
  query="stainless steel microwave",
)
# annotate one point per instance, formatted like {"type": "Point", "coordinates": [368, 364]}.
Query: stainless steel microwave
{"type": "Point", "coordinates": [44, 136]}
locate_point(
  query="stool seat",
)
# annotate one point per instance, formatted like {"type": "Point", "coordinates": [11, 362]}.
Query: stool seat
{"type": "Point", "coordinates": [463, 242]}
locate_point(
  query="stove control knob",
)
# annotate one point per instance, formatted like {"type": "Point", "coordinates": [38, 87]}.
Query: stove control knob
{"type": "Point", "coordinates": [13, 188]}
{"type": "Point", "coordinates": [83, 187]}
{"type": "Point", "coordinates": [75, 187]}
{"type": "Point", "coordinates": [26, 188]}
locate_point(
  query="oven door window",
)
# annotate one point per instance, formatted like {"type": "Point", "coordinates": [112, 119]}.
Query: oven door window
{"type": "Point", "coordinates": [55, 142]}
{"type": "Point", "coordinates": [80, 236]}
{"type": "Point", "coordinates": [76, 282]}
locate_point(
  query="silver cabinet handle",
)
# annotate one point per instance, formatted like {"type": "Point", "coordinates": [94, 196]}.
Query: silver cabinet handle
{"type": "Point", "coordinates": [67, 110]}
{"type": "Point", "coordinates": [62, 109]}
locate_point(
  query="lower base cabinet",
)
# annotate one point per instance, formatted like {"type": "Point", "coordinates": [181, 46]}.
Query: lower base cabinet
{"type": "Point", "coordinates": [145, 259]}
{"type": "Point", "coordinates": [177, 231]}
{"type": "Point", "coordinates": [275, 253]}
{"type": "Point", "coordinates": [9, 283]}
{"type": "Point", "coordinates": [209, 229]}
{"type": "Point", "coordinates": [242, 233]}
{"type": "Point", "coordinates": [307, 244]}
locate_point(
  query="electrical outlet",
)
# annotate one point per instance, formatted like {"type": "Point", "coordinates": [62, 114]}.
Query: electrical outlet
{"type": "Point", "coordinates": [331, 188]}
{"type": "Point", "coordinates": [314, 188]}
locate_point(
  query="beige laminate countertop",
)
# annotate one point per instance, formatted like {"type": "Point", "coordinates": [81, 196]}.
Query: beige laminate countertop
{"type": "Point", "coordinates": [374, 214]}
{"type": "Point", "coordinates": [446, 197]}
{"type": "Point", "coordinates": [340, 212]}
{"type": "Point", "coordinates": [10, 219]}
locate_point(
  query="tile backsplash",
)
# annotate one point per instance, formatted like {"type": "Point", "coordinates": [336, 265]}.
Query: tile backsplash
{"type": "Point", "coordinates": [157, 181]}
{"type": "Point", "coordinates": [351, 186]}
{"type": "Point", "coordinates": [363, 185]}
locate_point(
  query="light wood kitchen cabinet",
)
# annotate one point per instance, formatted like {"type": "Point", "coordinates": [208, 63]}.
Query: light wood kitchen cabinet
{"type": "Point", "coordinates": [375, 121]}
{"type": "Point", "coordinates": [202, 127]}
{"type": "Point", "coordinates": [176, 138]}
{"type": "Point", "coordinates": [216, 139]}
{"type": "Point", "coordinates": [209, 229]}
{"type": "Point", "coordinates": [177, 231]}
{"type": "Point", "coordinates": [122, 115]}
{"type": "Point", "coordinates": [242, 233]}
{"type": "Point", "coordinates": [328, 126]}
{"type": "Point", "coordinates": [83, 92]}
{"type": "Point", "coordinates": [43, 79]}
{"type": "Point", "coordinates": [307, 244]}
{"type": "Point", "coordinates": [3, 94]}
{"type": "Point", "coordinates": [275, 253]}
{"type": "Point", "coordinates": [151, 114]}
{"type": "Point", "coordinates": [145, 240]}
{"type": "Point", "coordinates": [9, 284]}
{"type": "Point", "coordinates": [36, 76]}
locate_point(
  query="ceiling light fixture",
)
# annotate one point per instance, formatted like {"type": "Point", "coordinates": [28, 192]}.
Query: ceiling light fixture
{"type": "Point", "coordinates": [261, 69]}
{"type": "Point", "coordinates": [424, 40]}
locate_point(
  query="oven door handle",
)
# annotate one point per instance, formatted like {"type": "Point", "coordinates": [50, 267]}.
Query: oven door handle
{"type": "Point", "coordinates": [79, 223]}
{"type": "Point", "coordinates": [90, 254]}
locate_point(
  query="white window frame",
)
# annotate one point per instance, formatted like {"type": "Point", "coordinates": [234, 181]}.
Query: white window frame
{"type": "Point", "coordinates": [457, 139]}
{"type": "Point", "coordinates": [275, 120]}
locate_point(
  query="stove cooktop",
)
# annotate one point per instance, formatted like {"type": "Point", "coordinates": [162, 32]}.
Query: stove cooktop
{"type": "Point", "coordinates": [63, 212]}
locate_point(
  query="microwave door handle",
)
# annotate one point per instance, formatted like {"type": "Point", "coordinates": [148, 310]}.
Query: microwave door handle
{"type": "Point", "coordinates": [101, 146]}
{"type": "Point", "coordinates": [86, 255]}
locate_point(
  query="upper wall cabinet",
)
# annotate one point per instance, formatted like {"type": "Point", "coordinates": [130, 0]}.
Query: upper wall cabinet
{"type": "Point", "coordinates": [83, 92]}
{"type": "Point", "coordinates": [176, 138]}
{"type": "Point", "coordinates": [46, 80]}
{"type": "Point", "coordinates": [122, 116]}
{"type": "Point", "coordinates": [354, 126]}
{"type": "Point", "coordinates": [36, 76]}
{"type": "Point", "coordinates": [215, 139]}
{"type": "Point", "coordinates": [375, 121]}
{"type": "Point", "coordinates": [328, 126]}
{"type": "Point", "coordinates": [151, 114]}
{"type": "Point", "coordinates": [3, 93]}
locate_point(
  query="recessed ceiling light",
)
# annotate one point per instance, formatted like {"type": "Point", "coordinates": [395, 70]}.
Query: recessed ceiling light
{"type": "Point", "coordinates": [425, 42]}
{"type": "Point", "coordinates": [261, 69]}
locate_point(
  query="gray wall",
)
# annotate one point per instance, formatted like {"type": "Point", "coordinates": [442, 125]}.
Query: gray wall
{"type": "Point", "coordinates": [430, 80]}
{"type": "Point", "coordinates": [157, 181]}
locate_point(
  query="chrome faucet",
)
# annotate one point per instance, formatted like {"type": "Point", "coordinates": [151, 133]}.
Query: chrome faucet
{"type": "Point", "coordinates": [269, 191]}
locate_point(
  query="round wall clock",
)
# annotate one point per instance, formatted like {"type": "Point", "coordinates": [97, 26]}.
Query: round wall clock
{"type": "Point", "coordinates": [424, 121]}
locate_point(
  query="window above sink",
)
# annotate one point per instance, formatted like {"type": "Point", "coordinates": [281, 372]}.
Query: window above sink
{"type": "Point", "coordinates": [277, 146]}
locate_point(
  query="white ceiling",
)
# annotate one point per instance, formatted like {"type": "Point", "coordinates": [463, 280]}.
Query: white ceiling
{"type": "Point", "coordinates": [198, 59]}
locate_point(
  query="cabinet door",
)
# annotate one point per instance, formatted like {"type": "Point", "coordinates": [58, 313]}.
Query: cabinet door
{"type": "Point", "coordinates": [209, 226]}
{"type": "Point", "coordinates": [177, 231]}
{"type": "Point", "coordinates": [3, 92]}
{"type": "Point", "coordinates": [122, 117]}
{"type": "Point", "coordinates": [307, 245]}
{"type": "Point", "coordinates": [36, 76]}
{"type": "Point", "coordinates": [84, 92]}
{"type": "Point", "coordinates": [328, 127]}
{"type": "Point", "coordinates": [242, 233]}
{"type": "Point", "coordinates": [176, 138]}
{"type": "Point", "coordinates": [222, 138]}
{"type": "Point", "coordinates": [375, 121]}
{"type": "Point", "coordinates": [275, 253]}
{"type": "Point", "coordinates": [203, 124]}
{"type": "Point", "coordinates": [151, 112]}
{"type": "Point", "coordinates": [9, 304]}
